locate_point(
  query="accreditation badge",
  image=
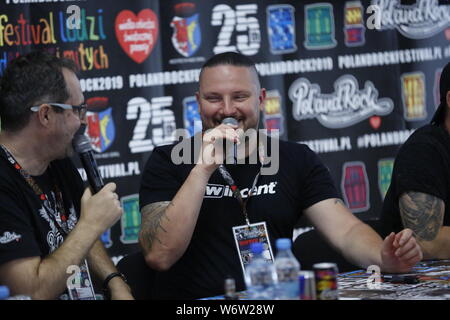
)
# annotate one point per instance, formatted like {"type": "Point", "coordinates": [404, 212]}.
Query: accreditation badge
{"type": "Point", "coordinates": [245, 235]}
{"type": "Point", "coordinates": [79, 284]}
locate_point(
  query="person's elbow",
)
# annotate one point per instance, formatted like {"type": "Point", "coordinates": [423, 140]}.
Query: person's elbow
{"type": "Point", "coordinates": [158, 261]}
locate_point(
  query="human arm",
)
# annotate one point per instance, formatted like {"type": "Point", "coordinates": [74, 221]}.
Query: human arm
{"type": "Point", "coordinates": [359, 243]}
{"type": "Point", "coordinates": [102, 266]}
{"type": "Point", "coordinates": [45, 278]}
{"type": "Point", "coordinates": [424, 215]}
{"type": "Point", "coordinates": [167, 226]}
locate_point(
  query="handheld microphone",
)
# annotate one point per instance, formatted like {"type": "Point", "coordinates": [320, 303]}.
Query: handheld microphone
{"type": "Point", "coordinates": [82, 146]}
{"type": "Point", "coordinates": [231, 121]}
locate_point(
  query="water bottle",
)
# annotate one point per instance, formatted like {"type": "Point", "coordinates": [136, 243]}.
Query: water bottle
{"type": "Point", "coordinates": [260, 276]}
{"type": "Point", "coordinates": [4, 295]}
{"type": "Point", "coordinates": [4, 292]}
{"type": "Point", "coordinates": [287, 268]}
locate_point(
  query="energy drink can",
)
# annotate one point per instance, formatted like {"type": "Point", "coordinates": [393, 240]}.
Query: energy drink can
{"type": "Point", "coordinates": [307, 283]}
{"type": "Point", "coordinates": [326, 280]}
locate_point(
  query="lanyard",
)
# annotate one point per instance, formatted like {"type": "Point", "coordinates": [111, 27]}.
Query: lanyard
{"type": "Point", "coordinates": [234, 188]}
{"type": "Point", "coordinates": [61, 220]}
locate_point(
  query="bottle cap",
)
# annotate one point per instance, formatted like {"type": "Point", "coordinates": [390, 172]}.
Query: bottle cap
{"type": "Point", "coordinates": [283, 243]}
{"type": "Point", "coordinates": [256, 248]}
{"type": "Point", "coordinates": [4, 292]}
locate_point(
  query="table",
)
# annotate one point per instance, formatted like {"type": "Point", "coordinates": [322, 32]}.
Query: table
{"type": "Point", "coordinates": [433, 284]}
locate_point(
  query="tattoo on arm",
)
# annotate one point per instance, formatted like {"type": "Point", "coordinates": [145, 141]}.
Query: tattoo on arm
{"type": "Point", "coordinates": [339, 201]}
{"type": "Point", "coordinates": [422, 213]}
{"type": "Point", "coordinates": [152, 216]}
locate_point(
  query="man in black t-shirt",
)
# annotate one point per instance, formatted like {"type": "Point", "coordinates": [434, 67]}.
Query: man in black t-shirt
{"type": "Point", "coordinates": [419, 195]}
{"type": "Point", "coordinates": [48, 226]}
{"type": "Point", "coordinates": [189, 210]}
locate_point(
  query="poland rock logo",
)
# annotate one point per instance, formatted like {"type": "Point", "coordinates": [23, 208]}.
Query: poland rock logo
{"type": "Point", "coordinates": [345, 107]}
{"type": "Point", "coordinates": [422, 20]}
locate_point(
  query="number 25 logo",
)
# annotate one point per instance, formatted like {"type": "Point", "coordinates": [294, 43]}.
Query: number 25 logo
{"type": "Point", "coordinates": [239, 19]}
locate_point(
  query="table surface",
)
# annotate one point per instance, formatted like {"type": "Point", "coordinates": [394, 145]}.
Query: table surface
{"type": "Point", "coordinates": [433, 284]}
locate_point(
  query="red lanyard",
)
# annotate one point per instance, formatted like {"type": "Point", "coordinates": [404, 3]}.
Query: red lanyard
{"type": "Point", "coordinates": [61, 220]}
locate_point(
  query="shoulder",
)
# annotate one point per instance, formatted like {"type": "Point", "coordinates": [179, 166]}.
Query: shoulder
{"type": "Point", "coordinates": [424, 142]}
{"type": "Point", "coordinates": [297, 151]}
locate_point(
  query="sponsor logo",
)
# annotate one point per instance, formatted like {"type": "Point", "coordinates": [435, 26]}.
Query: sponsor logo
{"type": "Point", "coordinates": [106, 238]}
{"type": "Point", "coordinates": [345, 107]}
{"type": "Point", "coordinates": [131, 219]}
{"type": "Point", "coordinates": [220, 191]}
{"type": "Point", "coordinates": [281, 28]}
{"type": "Point", "coordinates": [273, 113]}
{"type": "Point", "coordinates": [353, 24]}
{"type": "Point", "coordinates": [191, 116]}
{"type": "Point", "coordinates": [100, 129]}
{"type": "Point", "coordinates": [9, 237]}
{"type": "Point", "coordinates": [355, 186]}
{"type": "Point", "coordinates": [186, 37]}
{"type": "Point", "coordinates": [319, 26]}
{"type": "Point", "coordinates": [413, 96]}
{"type": "Point", "coordinates": [421, 20]}
{"type": "Point", "coordinates": [385, 167]}
{"type": "Point", "coordinates": [137, 35]}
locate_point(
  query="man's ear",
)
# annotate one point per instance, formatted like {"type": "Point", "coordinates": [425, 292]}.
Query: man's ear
{"type": "Point", "coordinates": [262, 99]}
{"type": "Point", "coordinates": [44, 114]}
{"type": "Point", "coordinates": [448, 99]}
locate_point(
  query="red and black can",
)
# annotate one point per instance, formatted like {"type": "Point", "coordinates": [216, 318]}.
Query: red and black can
{"type": "Point", "coordinates": [326, 280]}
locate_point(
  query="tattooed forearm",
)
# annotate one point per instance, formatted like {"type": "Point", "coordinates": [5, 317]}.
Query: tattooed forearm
{"type": "Point", "coordinates": [422, 213]}
{"type": "Point", "coordinates": [152, 216]}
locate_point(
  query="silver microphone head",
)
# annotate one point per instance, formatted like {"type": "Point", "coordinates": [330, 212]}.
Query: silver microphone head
{"type": "Point", "coordinates": [81, 143]}
{"type": "Point", "coordinates": [230, 121]}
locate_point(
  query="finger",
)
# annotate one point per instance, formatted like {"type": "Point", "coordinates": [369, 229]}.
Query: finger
{"type": "Point", "coordinates": [404, 236]}
{"type": "Point", "coordinates": [410, 245]}
{"type": "Point", "coordinates": [110, 187]}
{"type": "Point", "coordinates": [414, 253]}
{"type": "Point", "coordinates": [388, 242]}
{"type": "Point", "coordinates": [87, 194]}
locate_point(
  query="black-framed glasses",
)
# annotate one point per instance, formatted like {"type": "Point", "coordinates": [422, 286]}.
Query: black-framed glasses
{"type": "Point", "coordinates": [81, 110]}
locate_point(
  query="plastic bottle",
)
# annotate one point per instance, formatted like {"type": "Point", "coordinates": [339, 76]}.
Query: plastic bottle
{"type": "Point", "coordinates": [5, 295]}
{"type": "Point", "coordinates": [260, 276]}
{"type": "Point", "coordinates": [287, 268]}
{"type": "Point", "coordinates": [4, 292]}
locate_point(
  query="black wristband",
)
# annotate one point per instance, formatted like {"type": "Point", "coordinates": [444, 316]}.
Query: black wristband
{"type": "Point", "coordinates": [108, 279]}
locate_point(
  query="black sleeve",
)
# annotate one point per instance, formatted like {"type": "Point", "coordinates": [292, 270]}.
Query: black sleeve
{"type": "Point", "coordinates": [316, 180]}
{"type": "Point", "coordinates": [160, 181]}
{"type": "Point", "coordinates": [17, 238]}
{"type": "Point", "coordinates": [419, 167]}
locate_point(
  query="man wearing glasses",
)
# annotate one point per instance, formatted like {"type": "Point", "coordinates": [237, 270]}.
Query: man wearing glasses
{"type": "Point", "coordinates": [49, 228]}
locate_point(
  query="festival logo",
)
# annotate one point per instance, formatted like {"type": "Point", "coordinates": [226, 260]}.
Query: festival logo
{"type": "Point", "coordinates": [385, 167]}
{"type": "Point", "coordinates": [353, 24]}
{"type": "Point", "coordinates": [100, 125]}
{"type": "Point", "coordinates": [413, 96]}
{"type": "Point", "coordinates": [345, 107]}
{"type": "Point", "coordinates": [281, 28]}
{"type": "Point", "coordinates": [186, 38]}
{"type": "Point", "coordinates": [137, 35]}
{"type": "Point", "coordinates": [131, 219]}
{"type": "Point", "coordinates": [355, 186]}
{"type": "Point", "coordinates": [319, 26]}
{"type": "Point", "coordinates": [106, 238]}
{"type": "Point", "coordinates": [191, 116]}
{"type": "Point", "coordinates": [421, 20]}
{"type": "Point", "coordinates": [273, 112]}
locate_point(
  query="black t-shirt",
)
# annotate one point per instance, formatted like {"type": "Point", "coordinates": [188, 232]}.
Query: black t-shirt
{"type": "Point", "coordinates": [28, 228]}
{"type": "Point", "coordinates": [422, 165]}
{"type": "Point", "coordinates": [301, 181]}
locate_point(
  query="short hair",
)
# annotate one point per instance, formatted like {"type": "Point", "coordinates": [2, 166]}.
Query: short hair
{"type": "Point", "coordinates": [29, 80]}
{"type": "Point", "coordinates": [230, 58]}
